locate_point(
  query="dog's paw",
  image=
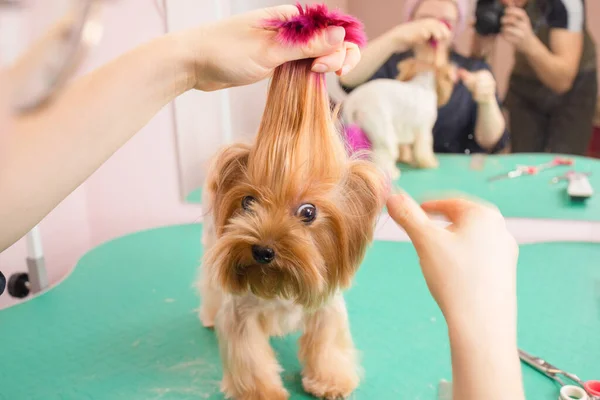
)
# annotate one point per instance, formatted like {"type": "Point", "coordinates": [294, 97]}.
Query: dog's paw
{"type": "Point", "coordinates": [260, 391]}
{"type": "Point", "coordinates": [335, 386]}
{"type": "Point", "coordinates": [428, 162]}
{"type": "Point", "coordinates": [406, 155]}
{"type": "Point", "coordinates": [271, 395]}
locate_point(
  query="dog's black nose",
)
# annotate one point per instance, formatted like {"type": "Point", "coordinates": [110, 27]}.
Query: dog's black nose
{"type": "Point", "coordinates": [263, 254]}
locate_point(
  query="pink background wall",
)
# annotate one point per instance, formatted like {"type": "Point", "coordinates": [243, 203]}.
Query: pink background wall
{"type": "Point", "coordinates": [138, 188]}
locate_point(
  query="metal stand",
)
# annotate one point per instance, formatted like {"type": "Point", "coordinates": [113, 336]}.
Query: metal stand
{"type": "Point", "coordinates": [35, 280]}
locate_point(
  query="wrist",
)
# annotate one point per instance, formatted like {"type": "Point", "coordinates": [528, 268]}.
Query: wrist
{"type": "Point", "coordinates": [530, 45]}
{"type": "Point", "coordinates": [397, 37]}
{"type": "Point", "coordinates": [189, 58]}
{"type": "Point", "coordinates": [487, 101]}
{"type": "Point", "coordinates": [483, 324]}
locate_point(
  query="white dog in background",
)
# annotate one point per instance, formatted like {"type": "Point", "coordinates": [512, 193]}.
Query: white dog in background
{"type": "Point", "coordinates": [398, 115]}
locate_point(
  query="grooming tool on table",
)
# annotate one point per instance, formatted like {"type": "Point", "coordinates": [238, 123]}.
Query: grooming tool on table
{"type": "Point", "coordinates": [579, 187]}
{"type": "Point", "coordinates": [589, 390]}
{"type": "Point", "coordinates": [557, 162]}
{"type": "Point", "coordinates": [533, 169]}
{"type": "Point", "coordinates": [515, 173]}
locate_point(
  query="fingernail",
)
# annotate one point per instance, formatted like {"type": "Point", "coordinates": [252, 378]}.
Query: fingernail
{"type": "Point", "coordinates": [335, 34]}
{"type": "Point", "coordinates": [319, 68]}
{"type": "Point", "coordinates": [345, 70]}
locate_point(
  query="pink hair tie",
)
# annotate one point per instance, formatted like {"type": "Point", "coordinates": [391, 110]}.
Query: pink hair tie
{"type": "Point", "coordinates": [301, 28]}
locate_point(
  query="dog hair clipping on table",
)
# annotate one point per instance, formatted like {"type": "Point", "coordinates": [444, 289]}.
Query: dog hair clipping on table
{"type": "Point", "coordinates": [301, 28]}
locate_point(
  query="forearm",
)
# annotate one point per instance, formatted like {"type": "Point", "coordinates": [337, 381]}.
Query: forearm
{"type": "Point", "coordinates": [550, 69]}
{"type": "Point", "coordinates": [52, 152]}
{"type": "Point", "coordinates": [373, 57]}
{"type": "Point", "coordinates": [490, 124]}
{"type": "Point", "coordinates": [485, 362]}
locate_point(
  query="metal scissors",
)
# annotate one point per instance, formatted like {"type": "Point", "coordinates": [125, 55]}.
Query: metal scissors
{"type": "Point", "coordinates": [532, 169]}
{"type": "Point", "coordinates": [589, 390]}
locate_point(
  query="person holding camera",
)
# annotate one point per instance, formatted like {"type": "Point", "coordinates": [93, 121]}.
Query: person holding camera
{"type": "Point", "coordinates": [471, 121]}
{"type": "Point", "coordinates": [553, 87]}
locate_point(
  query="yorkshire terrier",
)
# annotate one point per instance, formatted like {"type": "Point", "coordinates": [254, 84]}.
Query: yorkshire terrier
{"type": "Point", "coordinates": [289, 219]}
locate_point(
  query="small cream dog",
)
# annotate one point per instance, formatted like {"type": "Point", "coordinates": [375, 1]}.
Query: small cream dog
{"type": "Point", "coordinates": [398, 115]}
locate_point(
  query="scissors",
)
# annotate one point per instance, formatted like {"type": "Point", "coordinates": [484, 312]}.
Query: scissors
{"type": "Point", "coordinates": [532, 169]}
{"type": "Point", "coordinates": [589, 390]}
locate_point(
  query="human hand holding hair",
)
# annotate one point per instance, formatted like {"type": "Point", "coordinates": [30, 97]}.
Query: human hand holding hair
{"type": "Point", "coordinates": [420, 31]}
{"type": "Point", "coordinates": [52, 150]}
{"type": "Point", "coordinates": [241, 50]}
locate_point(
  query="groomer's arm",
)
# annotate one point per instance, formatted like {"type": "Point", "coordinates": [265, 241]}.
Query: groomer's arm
{"type": "Point", "coordinates": [52, 151]}
{"type": "Point", "coordinates": [400, 38]}
{"type": "Point", "coordinates": [47, 154]}
{"type": "Point", "coordinates": [490, 124]}
{"type": "Point", "coordinates": [557, 66]}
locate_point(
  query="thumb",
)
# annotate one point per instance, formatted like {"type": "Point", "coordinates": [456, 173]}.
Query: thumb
{"type": "Point", "coordinates": [326, 42]}
{"type": "Point", "coordinates": [467, 77]}
{"type": "Point", "coordinates": [409, 215]}
{"type": "Point", "coordinates": [459, 210]}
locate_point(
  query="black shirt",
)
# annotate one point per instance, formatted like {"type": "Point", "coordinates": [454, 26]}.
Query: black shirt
{"type": "Point", "coordinates": [454, 130]}
{"type": "Point", "coordinates": [547, 15]}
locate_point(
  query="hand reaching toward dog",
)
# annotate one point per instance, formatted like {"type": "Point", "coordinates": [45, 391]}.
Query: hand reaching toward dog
{"type": "Point", "coordinates": [481, 84]}
{"type": "Point", "coordinates": [417, 32]}
{"type": "Point", "coordinates": [470, 266]}
{"type": "Point", "coordinates": [241, 50]}
{"type": "Point", "coordinates": [470, 269]}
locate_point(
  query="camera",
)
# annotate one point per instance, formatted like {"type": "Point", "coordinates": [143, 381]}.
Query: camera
{"type": "Point", "coordinates": [488, 17]}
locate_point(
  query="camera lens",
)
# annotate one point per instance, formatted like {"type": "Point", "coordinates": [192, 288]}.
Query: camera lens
{"type": "Point", "coordinates": [488, 17]}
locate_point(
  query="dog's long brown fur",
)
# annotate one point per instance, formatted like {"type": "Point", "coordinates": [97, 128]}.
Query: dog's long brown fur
{"type": "Point", "coordinates": [298, 158]}
{"type": "Point", "coordinates": [445, 76]}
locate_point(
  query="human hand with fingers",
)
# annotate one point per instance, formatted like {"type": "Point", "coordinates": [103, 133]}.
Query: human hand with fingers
{"type": "Point", "coordinates": [517, 29]}
{"type": "Point", "coordinates": [421, 31]}
{"type": "Point", "coordinates": [243, 49]}
{"type": "Point", "coordinates": [481, 84]}
{"type": "Point", "coordinates": [469, 266]}
{"type": "Point", "coordinates": [470, 269]}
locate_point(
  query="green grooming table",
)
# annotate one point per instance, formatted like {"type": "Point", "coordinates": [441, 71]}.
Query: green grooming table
{"type": "Point", "coordinates": [123, 326]}
{"type": "Point", "coordinates": [523, 197]}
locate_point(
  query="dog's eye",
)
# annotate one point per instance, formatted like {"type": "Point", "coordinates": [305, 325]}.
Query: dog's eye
{"type": "Point", "coordinates": [247, 202]}
{"type": "Point", "coordinates": [307, 213]}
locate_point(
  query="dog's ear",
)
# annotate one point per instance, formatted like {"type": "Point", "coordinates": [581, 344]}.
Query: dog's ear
{"type": "Point", "coordinates": [227, 170]}
{"type": "Point", "coordinates": [365, 190]}
{"type": "Point", "coordinates": [407, 69]}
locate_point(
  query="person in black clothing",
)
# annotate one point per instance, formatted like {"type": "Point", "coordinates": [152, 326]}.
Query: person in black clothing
{"type": "Point", "coordinates": [471, 121]}
{"type": "Point", "coordinates": [553, 88]}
